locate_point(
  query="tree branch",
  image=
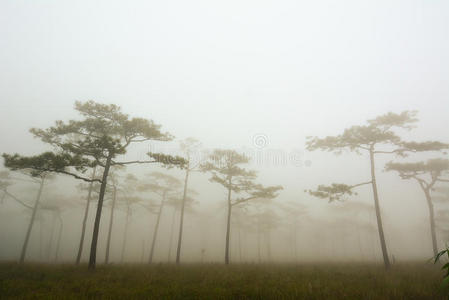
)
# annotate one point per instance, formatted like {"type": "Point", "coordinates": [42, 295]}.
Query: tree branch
{"type": "Point", "coordinates": [17, 199]}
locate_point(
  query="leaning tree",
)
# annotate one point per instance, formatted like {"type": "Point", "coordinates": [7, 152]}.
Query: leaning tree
{"type": "Point", "coordinates": [379, 136]}
{"type": "Point", "coordinates": [38, 177]}
{"type": "Point", "coordinates": [426, 174]}
{"type": "Point", "coordinates": [224, 166]}
{"type": "Point", "coordinates": [99, 139]}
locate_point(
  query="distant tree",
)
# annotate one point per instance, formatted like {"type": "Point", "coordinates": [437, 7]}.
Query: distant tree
{"type": "Point", "coordinates": [40, 178]}
{"type": "Point", "coordinates": [426, 174]}
{"type": "Point", "coordinates": [294, 212]}
{"type": "Point", "coordinates": [164, 186]}
{"type": "Point", "coordinates": [189, 147]}
{"type": "Point", "coordinates": [129, 199]}
{"type": "Point", "coordinates": [179, 202]}
{"type": "Point", "coordinates": [379, 132]}
{"type": "Point", "coordinates": [104, 134]}
{"type": "Point", "coordinates": [224, 165]}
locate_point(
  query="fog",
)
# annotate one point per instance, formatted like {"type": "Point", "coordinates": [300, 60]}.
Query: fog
{"type": "Point", "coordinates": [256, 77]}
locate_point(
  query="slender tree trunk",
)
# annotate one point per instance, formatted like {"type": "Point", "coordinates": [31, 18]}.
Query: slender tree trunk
{"type": "Point", "coordinates": [360, 244]}
{"type": "Point", "coordinates": [93, 247]}
{"type": "Point", "coordinates": [125, 237]}
{"type": "Point", "coordinates": [181, 223]}
{"type": "Point", "coordinates": [268, 241]}
{"type": "Point", "coordinates": [228, 228]}
{"type": "Point", "coordinates": [111, 221]}
{"type": "Point", "coordinates": [143, 251]}
{"type": "Point", "coordinates": [240, 246]}
{"type": "Point", "coordinates": [171, 233]}
{"type": "Point", "coordinates": [153, 243]}
{"type": "Point", "coordinates": [30, 225]}
{"type": "Point", "coordinates": [41, 235]}
{"type": "Point", "coordinates": [432, 221]}
{"type": "Point", "coordinates": [258, 240]}
{"type": "Point", "coordinates": [86, 213]}
{"type": "Point", "coordinates": [295, 241]}
{"type": "Point", "coordinates": [58, 243]}
{"type": "Point", "coordinates": [50, 241]}
{"type": "Point", "coordinates": [378, 215]}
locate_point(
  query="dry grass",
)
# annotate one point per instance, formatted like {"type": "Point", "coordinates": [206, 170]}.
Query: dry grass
{"type": "Point", "coordinates": [214, 281]}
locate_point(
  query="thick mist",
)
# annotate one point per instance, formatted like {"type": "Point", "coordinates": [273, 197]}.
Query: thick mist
{"type": "Point", "coordinates": [257, 77]}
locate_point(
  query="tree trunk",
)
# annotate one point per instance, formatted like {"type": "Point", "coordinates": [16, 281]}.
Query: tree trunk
{"type": "Point", "coordinates": [268, 241]}
{"type": "Point", "coordinates": [93, 247]}
{"type": "Point", "coordinates": [125, 237]}
{"type": "Point", "coordinates": [58, 243]}
{"type": "Point", "coordinates": [171, 234]}
{"type": "Point", "coordinates": [181, 223]}
{"type": "Point", "coordinates": [294, 240]}
{"type": "Point", "coordinates": [228, 228]}
{"type": "Point", "coordinates": [86, 213]}
{"type": "Point", "coordinates": [240, 246]}
{"type": "Point", "coordinates": [153, 243]}
{"type": "Point", "coordinates": [432, 221]}
{"type": "Point", "coordinates": [143, 251]}
{"type": "Point", "coordinates": [30, 225]}
{"type": "Point", "coordinates": [378, 216]}
{"type": "Point", "coordinates": [50, 240]}
{"type": "Point", "coordinates": [258, 240]}
{"type": "Point", "coordinates": [111, 221]}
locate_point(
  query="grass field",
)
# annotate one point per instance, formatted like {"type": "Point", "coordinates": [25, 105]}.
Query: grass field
{"type": "Point", "coordinates": [214, 281]}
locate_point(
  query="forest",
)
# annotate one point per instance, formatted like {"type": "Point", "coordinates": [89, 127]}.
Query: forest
{"type": "Point", "coordinates": [200, 149]}
{"type": "Point", "coordinates": [92, 152]}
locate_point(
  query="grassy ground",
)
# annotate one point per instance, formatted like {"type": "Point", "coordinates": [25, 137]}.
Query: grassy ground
{"type": "Point", "coordinates": [210, 281]}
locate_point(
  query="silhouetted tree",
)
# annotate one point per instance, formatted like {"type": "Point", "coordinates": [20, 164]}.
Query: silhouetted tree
{"type": "Point", "coordinates": [427, 174]}
{"type": "Point", "coordinates": [379, 132]}
{"type": "Point", "coordinates": [163, 185]}
{"type": "Point", "coordinates": [189, 147]}
{"type": "Point", "coordinates": [104, 134]}
{"type": "Point", "coordinates": [224, 165]}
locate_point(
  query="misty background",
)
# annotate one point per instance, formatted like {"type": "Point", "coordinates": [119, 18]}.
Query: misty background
{"type": "Point", "coordinates": [232, 74]}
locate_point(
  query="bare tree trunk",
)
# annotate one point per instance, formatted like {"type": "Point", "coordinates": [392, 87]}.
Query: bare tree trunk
{"type": "Point", "coordinates": [240, 246]}
{"type": "Point", "coordinates": [93, 247]}
{"type": "Point", "coordinates": [294, 239]}
{"type": "Point", "coordinates": [41, 235]}
{"type": "Point", "coordinates": [360, 244]}
{"type": "Point", "coordinates": [111, 221]}
{"type": "Point", "coordinates": [59, 237]}
{"type": "Point", "coordinates": [50, 241]}
{"type": "Point", "coordinates": [171, 234]}
{"type": "Point", "coordinates": [86, 213]}
{"type": "Point", "coordinates": [258, 239]}
{"type": "Point", "coordinates": [125, 237]}
{"type": "Point", "coordinates": [153, 243]}
{"type": "Point", "coordinates": [181, 223]}
{"type": "Point", "coordinates": [228, 228]}
{"type": "Point", "coordinates": [143, 251]}
{"type": "Point", "coordinates": [268, 241]}
{"type": "Point", "coordinates": [30, 225]}
{"type": "Point", "coordinates": [378, 215]}
{"type": "Point", "coordinates": [432, 221]}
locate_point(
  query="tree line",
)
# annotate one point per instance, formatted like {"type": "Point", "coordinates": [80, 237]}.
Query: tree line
{"type": "Point", "coordinates": [91, 151]}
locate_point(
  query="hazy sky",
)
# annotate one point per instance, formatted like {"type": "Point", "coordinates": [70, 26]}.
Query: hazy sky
{"type": "Point", "coordinates": [225, 71]}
